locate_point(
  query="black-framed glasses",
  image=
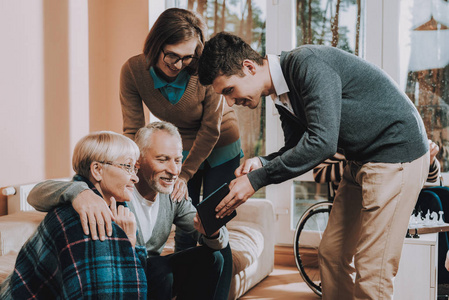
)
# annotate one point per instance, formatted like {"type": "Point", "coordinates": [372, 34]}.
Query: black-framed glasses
{"type": "Point", "coordinates": [130, 169]}
{"type": "Point", "coordinates": [172, 59]}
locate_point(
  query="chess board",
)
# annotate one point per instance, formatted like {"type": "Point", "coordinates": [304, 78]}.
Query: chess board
{"type": "Point", "coordinates": [422, 228]}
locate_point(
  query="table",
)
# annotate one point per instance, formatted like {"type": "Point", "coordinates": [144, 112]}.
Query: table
{"type": "Point", "coordinates": [417, 276]}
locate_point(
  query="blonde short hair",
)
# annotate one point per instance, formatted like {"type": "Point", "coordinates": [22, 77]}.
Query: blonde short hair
{"type": "Point", "coordinates": [101, 146]}
{"type": "Point", "coordinates": [143, 136]}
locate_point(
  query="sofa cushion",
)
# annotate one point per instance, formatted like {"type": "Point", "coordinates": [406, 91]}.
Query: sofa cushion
{"type": "Point", "coordinates": [247, 243]}
{"type": "Point", "coordinates": [15, 229]}
{"type": "Point", "coordinates": [7, 263]}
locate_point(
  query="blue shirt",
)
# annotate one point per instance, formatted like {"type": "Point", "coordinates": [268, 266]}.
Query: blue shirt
{"type": "Point", "coordinates": [220, 155]}
{"type": "Point", "coordinates": [172, 91]}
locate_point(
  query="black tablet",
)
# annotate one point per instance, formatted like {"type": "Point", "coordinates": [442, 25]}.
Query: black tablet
{"type": "Point", "coordinates": [207, 214]}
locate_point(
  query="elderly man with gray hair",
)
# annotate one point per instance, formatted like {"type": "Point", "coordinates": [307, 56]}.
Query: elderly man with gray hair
{"type": "Point", "coordinates": [190, 274]}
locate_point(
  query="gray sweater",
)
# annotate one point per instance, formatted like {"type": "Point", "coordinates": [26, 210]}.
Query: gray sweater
{"type": "Point", "coordinates": [50, 193]}
{"type": "Point", "coordinates": [340, 102]}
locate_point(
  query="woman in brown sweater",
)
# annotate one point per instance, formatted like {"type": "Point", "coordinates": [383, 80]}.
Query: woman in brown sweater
{"type": "Point", "coordinates": [164, 78]}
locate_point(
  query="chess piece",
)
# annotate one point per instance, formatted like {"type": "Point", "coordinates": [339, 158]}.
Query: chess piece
{"type": "Point", "coordinates": [427, 219]}
{"type": "Point", "coordinates": [440, 220]}
{"type": "Point", "coordinates": [419, 218]}
{"type": "Point", "coordinates": [408, 235]}
{"type": "Point", "coordinates": [434, 219]}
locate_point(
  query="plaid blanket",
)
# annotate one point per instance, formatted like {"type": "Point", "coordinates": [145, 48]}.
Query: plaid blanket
{"type": "Point", "coordinates": [60, 262]}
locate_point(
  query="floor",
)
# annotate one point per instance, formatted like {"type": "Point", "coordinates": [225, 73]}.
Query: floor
{"type": "Point", "coordinates": [283, 283]}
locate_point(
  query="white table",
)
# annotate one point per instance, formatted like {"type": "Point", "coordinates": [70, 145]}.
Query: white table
{"type": "Point", "coordinates": [417, 277]}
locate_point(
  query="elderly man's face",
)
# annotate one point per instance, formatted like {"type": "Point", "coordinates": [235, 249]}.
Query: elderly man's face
{"type": "Point", "coordinates": [162, 162]}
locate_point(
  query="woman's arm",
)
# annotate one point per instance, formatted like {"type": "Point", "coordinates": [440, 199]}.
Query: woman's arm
{"type": "Point", "coordinates": [92, 208]}
{"type": "Point", "coordinates": [208, 134]}
{"type": "Point", "coordinates": [131, 103]}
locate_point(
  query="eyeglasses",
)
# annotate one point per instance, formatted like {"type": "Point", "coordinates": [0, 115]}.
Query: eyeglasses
{"type": "Point", "coordinates": [130, 169]}
{"type": "Point", "coordinates": [172, 59]}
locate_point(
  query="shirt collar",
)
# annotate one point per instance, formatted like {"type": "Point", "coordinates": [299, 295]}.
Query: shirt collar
{"type": "Point", "coordinates": [180, 81]}
{"type": "Point", "coordinates": [277, 77]}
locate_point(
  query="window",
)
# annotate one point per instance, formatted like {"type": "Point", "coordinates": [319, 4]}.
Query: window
{"type": "Point", "coordinates": [424, 66]}
{"type": "Point", "coordinates": [333, 23]}
{"type": "Point", "coordinates": [246, 19]}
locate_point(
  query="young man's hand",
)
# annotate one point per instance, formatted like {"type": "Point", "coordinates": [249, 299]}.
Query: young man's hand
{"type": "Point", "coordinates": [240, 190]}
{"type": "Point", "coordinates": [94, 212]}
{"type": "Point", "coordinates": [248, 166]}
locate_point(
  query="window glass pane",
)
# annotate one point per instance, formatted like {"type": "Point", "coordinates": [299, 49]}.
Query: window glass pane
{"type": "Point", "coordinates": [246, 19]}
{"type": "Point", "coordinates": [337, 23]}
{"type": "Point", "coordinates": [306, 194]}
{"type": "Point", "coordinates": [424, 66]}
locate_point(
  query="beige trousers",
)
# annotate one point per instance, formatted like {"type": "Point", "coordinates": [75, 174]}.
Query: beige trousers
{"type": "Point", "coordinates": [367, 226]}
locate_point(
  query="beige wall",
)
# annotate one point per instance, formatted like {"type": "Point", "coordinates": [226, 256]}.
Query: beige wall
{"type": "Point", "coordinates": [60, 63]}
{"type": "Point", "coordinates": [117, 31]}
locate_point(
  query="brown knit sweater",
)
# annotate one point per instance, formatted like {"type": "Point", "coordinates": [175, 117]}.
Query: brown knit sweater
{"type": "Point", "coordinates": [203, 117]}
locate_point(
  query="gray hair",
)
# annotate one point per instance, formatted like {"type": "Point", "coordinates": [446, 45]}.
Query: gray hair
{"type": "Point", "coordinates": [101, 146]}
{"type": "Point", "coordinates": [143, 136]}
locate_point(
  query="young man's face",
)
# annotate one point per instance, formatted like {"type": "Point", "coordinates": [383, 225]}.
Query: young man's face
{"type": "Point", "coordinates": [161, 164]}
{"type": "Point", "coordinates": [244, 91]}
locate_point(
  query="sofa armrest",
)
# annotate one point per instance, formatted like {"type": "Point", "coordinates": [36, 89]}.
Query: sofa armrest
{"type": "Point", "coordinates": [16, 228]}
{"type": "Point", "coordinates": [258, 211]}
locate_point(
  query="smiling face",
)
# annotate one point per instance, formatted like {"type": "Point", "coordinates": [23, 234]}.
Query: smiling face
{"type": "Point", "coordinates": [183, 49]}
{"type": "Point", "coordinates": [116, 181]}
{"type": "Point", "coordinates": [161, 163]}
{"type": "Point", "coordinates": [243, 90]}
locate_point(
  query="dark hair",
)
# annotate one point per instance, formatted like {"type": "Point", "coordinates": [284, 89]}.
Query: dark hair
{"type": "Point", "coordinates": [224, 55]}
{"type": "Point", "coordinates": [173, 26]}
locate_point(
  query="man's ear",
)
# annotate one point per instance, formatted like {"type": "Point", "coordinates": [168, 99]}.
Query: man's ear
{"type": "Point", "coordinates": [250, 66]}
{"type": "Point", "coordinates": [96, 170]}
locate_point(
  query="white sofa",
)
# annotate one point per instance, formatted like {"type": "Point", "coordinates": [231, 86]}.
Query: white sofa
{"type": "Point", "coordinates": [251, 237]}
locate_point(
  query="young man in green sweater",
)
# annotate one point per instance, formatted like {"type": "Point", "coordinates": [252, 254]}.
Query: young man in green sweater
{"type": "Point", "coordinates": [331, 100]}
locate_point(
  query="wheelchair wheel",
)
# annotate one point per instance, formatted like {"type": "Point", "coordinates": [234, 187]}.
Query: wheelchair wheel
{"type": "Point", "coordinates": [308, 234]}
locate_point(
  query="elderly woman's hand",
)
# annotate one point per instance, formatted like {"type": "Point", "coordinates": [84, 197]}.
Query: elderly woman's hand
{"type": "Point", "coordinates": [125, 219]}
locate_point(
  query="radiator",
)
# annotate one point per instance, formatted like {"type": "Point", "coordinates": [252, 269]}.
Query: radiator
{"type": "Point", "coordinates": [17, 197]}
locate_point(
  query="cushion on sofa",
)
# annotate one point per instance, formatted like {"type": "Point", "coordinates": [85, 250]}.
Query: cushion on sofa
{"type": "Point", "coordinates": [7, 263]}
{"type": "Point", "coordinates": [246, 242]}
{"type": "Point", "coordinates": [15, 229]}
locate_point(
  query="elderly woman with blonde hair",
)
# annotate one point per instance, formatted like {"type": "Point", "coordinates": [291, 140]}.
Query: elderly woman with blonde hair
{"type": "Point", "coordinates": [59, 261]}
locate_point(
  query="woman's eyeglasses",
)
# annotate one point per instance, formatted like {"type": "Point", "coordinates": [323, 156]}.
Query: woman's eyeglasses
{"type": "Point", "coordinates": [172, 59]}
{"type": "Point", "coordinates": [130, 169]}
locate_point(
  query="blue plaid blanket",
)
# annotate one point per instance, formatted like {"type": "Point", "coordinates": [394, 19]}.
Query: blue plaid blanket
{"type": "Point", "coordinates": [60, 262]}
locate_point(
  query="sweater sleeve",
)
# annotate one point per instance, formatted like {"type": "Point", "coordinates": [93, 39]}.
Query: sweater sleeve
{"type": "Point", "coordinates": [51, 193]}
{"type": "Point", "coordinates": [207, 135]}
{"type": "Point", "coordinates": [318, 92]}
{"type": "Point", "coordinates": [131, 103]}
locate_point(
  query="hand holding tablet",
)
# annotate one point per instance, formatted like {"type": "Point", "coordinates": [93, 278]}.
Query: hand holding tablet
{"type": "Point", "coordinates": [207, 213]}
